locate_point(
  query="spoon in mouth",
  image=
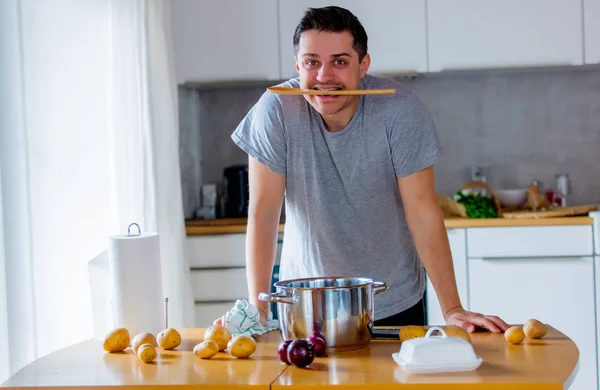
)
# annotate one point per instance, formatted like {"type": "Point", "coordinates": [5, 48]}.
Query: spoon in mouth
{"type": "Point", "coordinates": [300, 91]}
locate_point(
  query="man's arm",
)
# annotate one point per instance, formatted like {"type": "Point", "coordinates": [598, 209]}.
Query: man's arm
{"type": "Point", "coordinates": [426, 222]}
{"type": "Point", "coordinates": [267, 190]}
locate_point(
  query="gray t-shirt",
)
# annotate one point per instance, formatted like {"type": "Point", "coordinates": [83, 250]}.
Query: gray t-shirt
{"type": "Point", "coordinates": [344, 214]}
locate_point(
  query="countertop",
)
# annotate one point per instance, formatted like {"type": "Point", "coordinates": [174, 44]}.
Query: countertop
{"type": "Point", "coordinates": [549, 363]}
{"type": "Point", "coordinates": [238, 225]}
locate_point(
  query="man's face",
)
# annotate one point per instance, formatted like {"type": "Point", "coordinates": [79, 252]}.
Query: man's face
{"type": "Point", "coordinates": [327, 60]}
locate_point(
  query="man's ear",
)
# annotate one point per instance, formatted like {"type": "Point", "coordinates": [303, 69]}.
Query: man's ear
{"type": "Point", "coordinates": [364, 65]}
{"type": "Point", "coordinates": [297, 66]}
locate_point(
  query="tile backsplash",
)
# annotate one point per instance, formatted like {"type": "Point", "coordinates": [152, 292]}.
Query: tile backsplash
{"type": "Point", "coordinates": [521, 125]}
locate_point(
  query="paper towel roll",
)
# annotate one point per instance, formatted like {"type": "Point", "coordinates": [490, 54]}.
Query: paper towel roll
{"type": "Point", "coordinates": [136, 283]}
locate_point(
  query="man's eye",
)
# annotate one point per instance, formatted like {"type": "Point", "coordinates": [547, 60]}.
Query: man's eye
{"type": "Point", "coordinates": [311, 63]}
{"type": "Point", "coordinates": [340, 62]}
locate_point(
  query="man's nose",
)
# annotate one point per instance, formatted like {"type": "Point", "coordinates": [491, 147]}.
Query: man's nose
{"type": "Point", "coordinates": [325, 73]}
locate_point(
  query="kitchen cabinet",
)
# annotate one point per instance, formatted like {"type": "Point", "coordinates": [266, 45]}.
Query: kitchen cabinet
{"type": "Point", "coordinates": [555, 290]}
{"type": "Point", "coordinates": [471, 34]}
{"type": "Point", "coordinates": [542, 272]}
{"type": "Point", "coordinates": [218, 274]}
{"type": "Point", "coordinates": [530, 241]}
{"type": "Point", "coordinates": [216, 250]}
{"type": "Point", "coordinates": [458, 247]}
{"type": "Point", "coordinates": [219, 284]}
{"type": "Point", "coordinates": [396, 30]}
{"type": "Point", "coordinates": [592, 31]}
{"type": "Point", "coordinates": [225, 40]}
{"type": "Point", "coordinates": [206, 313]}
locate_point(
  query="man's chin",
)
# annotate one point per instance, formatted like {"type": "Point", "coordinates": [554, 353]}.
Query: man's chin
{"type": "Point", "coordinates": [325, 109]}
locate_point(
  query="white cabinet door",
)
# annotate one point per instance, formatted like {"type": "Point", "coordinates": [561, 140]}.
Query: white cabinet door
{"type": "Point", "coordinates": [458, 247]}
{"type": "Point", "coordinates": [557, 291]}
{"type": "Point", "coordinates": [470, 34]}
{"type": "Point", "coordinates": [206, 313]}
{"type": "Point", "coordinates": [219, 284]}
{"type": "Point", "coordinates": [225, 40]}
{"type": "Point", "coordinates": [216, 250]}
{"type": "Point", "coordinates": [395, 28]}
{"type": "Point", "coordinates": [592, 31]}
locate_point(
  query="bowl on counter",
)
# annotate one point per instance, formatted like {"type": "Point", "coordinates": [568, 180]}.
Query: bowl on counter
{"type": "Point", "coordinates": [511, 197]}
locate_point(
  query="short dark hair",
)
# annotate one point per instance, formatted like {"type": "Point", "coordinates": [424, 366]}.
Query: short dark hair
{"type": "Point", "coordinates": [333, 19]}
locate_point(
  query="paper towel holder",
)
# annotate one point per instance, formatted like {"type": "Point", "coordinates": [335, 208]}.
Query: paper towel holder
{"type": "Point", "coordinates": [129, 230]}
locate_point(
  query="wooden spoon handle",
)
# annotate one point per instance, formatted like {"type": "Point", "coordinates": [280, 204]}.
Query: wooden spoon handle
{"type": "Point", "coordinates": [300, 91]}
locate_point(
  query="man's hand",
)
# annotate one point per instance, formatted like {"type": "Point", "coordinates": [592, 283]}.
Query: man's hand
{"type": "Point", "coordinates": [470, 321]}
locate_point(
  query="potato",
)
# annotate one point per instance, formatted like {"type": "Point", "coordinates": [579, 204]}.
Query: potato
{"type": "Point", "coordinates": [457, 331]}
{"type": "Point", "coordinates": [534, 329]}
{"type": "Point", "coordinates": [168, 339]}
{"type": "Point", "coordinates": [143, 338]}
{"type": "Point", "coordinates": [146, 353]}
{"type": "Point", "coordinates": [206, 349]}
{"type": "Point", "coordinates": [241, 346]}
{"type": "Point", "coordinates": [514, 335]}
{"type": "Point", "coordinates": [116, 340]}
{"type": "Point", "coordinates": [219, 334]}
{"type": "Point", "coordinates": [412, 331]}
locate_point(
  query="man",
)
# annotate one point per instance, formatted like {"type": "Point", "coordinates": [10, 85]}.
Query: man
{"type": "Point", "coordinates": [357, 174]}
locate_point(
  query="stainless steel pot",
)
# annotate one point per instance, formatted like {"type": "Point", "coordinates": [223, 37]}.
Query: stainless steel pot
{"type": "Point", "coordinates": [339, 308]}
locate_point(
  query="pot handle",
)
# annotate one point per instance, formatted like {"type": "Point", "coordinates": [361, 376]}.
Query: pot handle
{"type": "Point", "coordinates": [279, 298]}
{"type": "Point", "coordinates": [379, 287]}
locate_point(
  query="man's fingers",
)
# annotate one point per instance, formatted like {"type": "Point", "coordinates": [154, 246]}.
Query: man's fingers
{"type": "Point", "coordinates": [499, 322]}
{"type": "Point", "coordinates": [466, 325]}
{"type": "Point", "coordinates": [486, 323]}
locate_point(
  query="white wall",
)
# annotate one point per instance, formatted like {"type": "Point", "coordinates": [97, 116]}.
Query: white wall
{"type": "Point", "coordinates": [54, 150]}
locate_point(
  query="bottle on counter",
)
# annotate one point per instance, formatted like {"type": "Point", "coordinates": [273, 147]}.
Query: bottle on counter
{"type": "Point", "coordinates": [563, 189]}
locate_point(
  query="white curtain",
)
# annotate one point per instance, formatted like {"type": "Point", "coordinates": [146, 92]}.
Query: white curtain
{"type": "Point", "coordinates": [88, 144]}
{"type": "Point", "coordinates": [4, 357]}
{"type": "Point", "coordinates": [144, 141]}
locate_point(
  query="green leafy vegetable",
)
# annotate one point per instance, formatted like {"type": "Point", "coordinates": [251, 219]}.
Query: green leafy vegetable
{"type": "Point", "coordinates": [477, 205]}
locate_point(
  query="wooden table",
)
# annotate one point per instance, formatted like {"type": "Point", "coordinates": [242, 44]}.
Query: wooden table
{"type": "Point", "coordinates": [86, 365]}
{"type": "Point", "coordinates": [549, 363]}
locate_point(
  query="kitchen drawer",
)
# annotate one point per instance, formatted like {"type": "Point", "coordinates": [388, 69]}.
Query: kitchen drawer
{"type": "Point", "coordinates": [219, 284]}
{"type": "Point", "coordinates": [222, 250]}
{"type": "Point", "coordinates": [206, 313]}
{"type": "Point", "coordinates": [529, 241]}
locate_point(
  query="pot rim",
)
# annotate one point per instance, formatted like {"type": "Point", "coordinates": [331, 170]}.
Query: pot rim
{"type": "Point", "coordinates": [367, 281]}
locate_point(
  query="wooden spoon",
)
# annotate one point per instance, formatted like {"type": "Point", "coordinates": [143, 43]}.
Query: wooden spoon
{"type": "Point", "coordinates": [300, 91]}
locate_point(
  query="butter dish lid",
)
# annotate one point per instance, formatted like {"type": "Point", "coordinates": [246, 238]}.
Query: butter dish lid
{"type": "Point", "coordinates": [432, 354]}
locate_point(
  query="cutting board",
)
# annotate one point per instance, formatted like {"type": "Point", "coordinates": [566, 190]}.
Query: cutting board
{"type": "Point", "coordinates": [557, 212]}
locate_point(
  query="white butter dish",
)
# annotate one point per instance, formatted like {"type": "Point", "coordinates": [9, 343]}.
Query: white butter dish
{"type": "Point", "coordinates": [433, 354]}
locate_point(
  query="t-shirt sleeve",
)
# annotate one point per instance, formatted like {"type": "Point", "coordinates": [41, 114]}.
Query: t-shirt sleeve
{"type": "Point", "coordinates": [414, 141]}
{"type": "Point", "coordinates": [261, 133]}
